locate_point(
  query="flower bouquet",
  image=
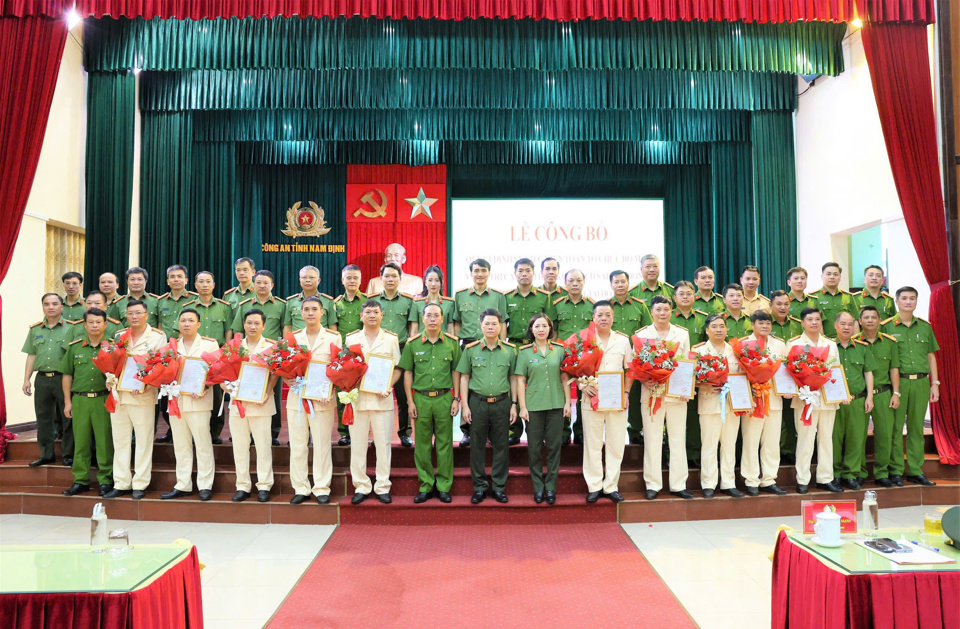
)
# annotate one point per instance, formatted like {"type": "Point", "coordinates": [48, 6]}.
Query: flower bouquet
{"type": "Point", "coordinates": [110, 359]}
{"type": "Point", "coordinates": [759, 364]}
{"type": "Point", "coordinates": [808, 366]}
{"type": "Point", "coordinates": [160, 369]}
{"type": "Point", "coordinates": [345, 372]}
{"type": "Point", "coordinates": [581, 358]}
{"type": "Point", "coordinates": [287, 359]}
{"type": "Point", "coordinates": [713, 370]}
{"type": "Point", "coordinates": [653, 361]}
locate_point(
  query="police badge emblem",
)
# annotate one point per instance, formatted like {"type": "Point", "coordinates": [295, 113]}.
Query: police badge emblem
{"type": "Point", "coordinates": [303, 222]}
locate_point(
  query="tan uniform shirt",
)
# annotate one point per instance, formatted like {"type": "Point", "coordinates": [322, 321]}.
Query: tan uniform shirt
{"type": "Point", "coordinates": [759, 302]}
{"type": "Point", "coordinates": [833, 359]}
{"type": "Point", "coordinates": [616, 352]}
{"type": "Point", "coordinates": [319, 350]}
{"type": "Point", "coordinates": [152, 339]}
{"type": "Point", "coordinates": [204, 403]}
{"type": "Point", "coordinates": [709, 400]}
{"type": "Point", "coordinates": [268, 408]}
{"type": "Point", "coordinates": [385, 344]}
{"type": "Point", "coordinates": [675, 334]}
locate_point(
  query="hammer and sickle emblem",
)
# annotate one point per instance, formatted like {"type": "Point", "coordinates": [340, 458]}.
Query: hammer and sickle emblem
{"type": "Point", "coordinates": [379, 209]}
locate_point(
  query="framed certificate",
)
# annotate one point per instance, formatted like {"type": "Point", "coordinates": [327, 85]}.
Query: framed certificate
{"type": "Point", "coordinates": [783, 383]}
{"type": "Point", "coordinates": [253, 382]}
{"type": "Point", "coordinates": [741, 394]}
{"type": "Point", "coordinates": [683, 379]}
{"type": "Point", "coordinates": [193, 375]}
{"type": "Point", "coordinates": [316, 385]}
{"type": "Point", "coordinates": [379, 374]}
{"type": "Point", "coordinates": [609, 390]}
{"type": "Point", "coordinates": [836, 392]}
{"type": "Point", "coordinates": [127, 382]}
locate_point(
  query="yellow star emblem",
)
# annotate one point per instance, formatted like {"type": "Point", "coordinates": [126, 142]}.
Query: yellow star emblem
{"type": "Point", "coordinates": [421, 205]}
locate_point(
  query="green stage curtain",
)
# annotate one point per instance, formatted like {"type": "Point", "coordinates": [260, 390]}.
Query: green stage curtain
{"type": "Point", "coordinates": [797, 48]}
{"type": "Point", "coordinates": [108, 173]}
{"type": "Point", "coordinates": [733, 223]}
{"type": "Point", "coordinates": [688, 221]}
{"type": "Point", "coordinates": [214, 203]}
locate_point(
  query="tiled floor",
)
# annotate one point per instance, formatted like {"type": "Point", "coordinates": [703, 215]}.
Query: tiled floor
{"type": "Point", "coordinates": [719, 570]}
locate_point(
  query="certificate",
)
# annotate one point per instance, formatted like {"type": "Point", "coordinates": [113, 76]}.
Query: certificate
{"type": "Point", "coordinates": [610, 391]}
{"type": "Point", "coordinates": [316, 385]}
{"type": "Point", "coordinates": [682, 380]}
{"type": "Point", "coordinates": [253, 383]}
{"type": "Point", "coordinates": [783, 383]}
{"type": "Point", "coordinates": [379, 374]}
{"type": "Point", "coordinates": [741, 394]}
{"type": "Point", "coordinates": [128, 377]}
{"type": "Point", "coordinates": [193, 375]}
{"type": "Point", "coordinates": [836, 392]}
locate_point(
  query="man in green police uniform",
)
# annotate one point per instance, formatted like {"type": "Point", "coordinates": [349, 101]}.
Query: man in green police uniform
{"type": "Point", "coordinates": [706, 300]}
{"type": "Point", "coordinates": [694, 322]}
{"type": "Point", "coordinates": [832, 300]}
{"type": "Point", "coordinates": [571, 314]}
{"type": "Point", "coordinates": [171, 303]}
{"type": "Point", "coordinates": [785, 327]}
{"type": "Point", "coordinates": [650, 285]}
{"type": "Point", "coordinates": [244, 269]}
{"type": "Point", "coordinates": [886, 394]}
{"type": "Point", "coordinates": [738, 322]}
{"type": "Point", "coordinates": [84, 388]}
{"type": "Point", "coordinates": [470, 303]}
{"type": "Point", "coordinates": [216, 317]}
{"type": "Point", "coordinates": [429, 363]}
{"type": "Point", "coordinates": [550, 271]}
{"type": "Point", "coordinates": [522, 303]}
{"type": "Point", "coordinates": [348, 306]}
{"type": "Point", "coordinates": [874, 295]}
{"type": "Point", "coordinates": [73, 299]}
{"type": "Point", "coordinates": [108, 285]}
{"type": "Point", "coordinates": [309, 285]}
{"type": "Point", "coordinates": [629, 315]}
{"type": "Point", "coordinates": [489, 404]}
{"type": "Point", "coordinates": [136, 289]}
{"type": "Point", "coordinates": [396, 318]}
{"type": "Point", "coordinates": [919, 384]}
{"type": "Point", "coordinates": [95, 299]}
{"type": "Point", "coordinates": [850, 425]}
{"type": "Point", "coordinates": [797, 283]}
{"type": "Point", "coordinates": [44, 347]}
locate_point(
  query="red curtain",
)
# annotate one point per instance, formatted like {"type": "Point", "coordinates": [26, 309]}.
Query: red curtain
{"type": "Point", "coordinates": [30, 52]}
{"type": "Point", "coordinates": [900, 71]}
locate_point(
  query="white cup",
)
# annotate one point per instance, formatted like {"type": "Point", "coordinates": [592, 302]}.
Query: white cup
{"type": "Point", "coordinates": [827, 527]}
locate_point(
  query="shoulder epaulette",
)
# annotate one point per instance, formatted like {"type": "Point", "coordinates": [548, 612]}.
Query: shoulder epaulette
{"type": "Point", "coordinates": [892, 338]}
{"type": "Point", "coordinates": [462, 290]}
{"type": "Point", "coordinates": [744, 338]}
{"type": "Point", "coordinates": [698, 345]}
{"type": "Point", "coordinates": [885, 321]}
{"type": "Point", "coordinates": [151, 295]}
{"type": "Point", "coordinates": [669, 284]}
{"type": "Point", "coordinates": [590, 300]}
{"type": "Point", "coordinates": [158, 330]}
{"type": "Point", "coordinates": [192, 302]}
{"type": "Point", "coordinates": [72, 342]}
{"type": "Point", "coordinates": [419, 298]}
{"type": "Point", "coordinates": [294, 295]}
{"type": "Point", "coordinates": [884, 293]}
{"type": "Point", "coordinates": [298, 331]}
{"type": "Point", "coordinates": [451, 336]}
{"type": "Point", "coordinates": [622, 334]}
{"type": "Point", "coordinates": [444, 297]}
{"type": "Point", "coordinates": [225, 303]}
{"type": "Point", "coordinates": [207, 338]}
{"type": "Point", "coordinates": [472, 344]}
{"type": "Point", "coordinates": [558, 300]}
{"type": "Point", "coordinates": [632, 288]}
{"type": "Point", "coordinates": [354, 333]}
{"type": "Point", "coordinates": [557, 344]}
{"type": "Point", "coordinates": [37, 323]}
{"type": "Point", "coordinates": [388, 332]}
{"type": "Point", "coordinates": [505, 343]}
{"type": "Point", "coordinates": [163, 296]}
{"type": "Point", "coordinates": [526, 346]}
{"type": "Point", "coordinates": [495, 290]}
{"type": "Point", "coordinates": [110, 319]}
{"type": "Point", "coordinates": [268, 340]}
{"type": "Point", "coordinates": [794, 319]}
{"type": "Point", "coordinates": [795, 338]}
{"type": "Point", "coordinates": [846, 292]}
{"type": "Point", "coordinates": [74, 322]}
{"type": "Point", "coordinates": [232, 290]}
{"type": "Point", "coordinates": [283, 301]}
{"type": "Point", "coordinates": [862, 342]}
{"type": "Point", "coordinates": [407, 295]}
{"type": "Point", "coordinates": [636, 299]}
{"type": "Point", "coordinates": [642, 329]}
{"type": "Point", "coordinates": [701, 312]}
{"type": "Point", "coordinates": [331, 331]}
{"type": "Point", "coordinates": [326, 295]}
{"type": "Point", "coordinates": [248, 299]}
{"type": "Point", "coordinates": [337, 298]}
{"type": "Point", "coordinates": [777, 337]}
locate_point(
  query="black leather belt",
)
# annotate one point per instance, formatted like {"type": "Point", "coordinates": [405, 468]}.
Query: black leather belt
{"type": "Point", "coordinates": [489, 400]}
{"type": "Point", "coordinates": [433, 392]}
{"type": "Point", "coordinates": [49, 374]}
{"type": "Point", "coordinates": [860, 395]}
{"type": "Point", "coordinates": [915, 376]}
{"type": "Point", "coordinates": [95, 394]}
{"type": "Point", "coordinates": [883, 389]}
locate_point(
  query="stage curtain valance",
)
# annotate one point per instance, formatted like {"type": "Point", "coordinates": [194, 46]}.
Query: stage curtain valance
{"type": "Point", "coordinates": [332, 44]}
{"type": "Point", "coordinates": [465, 89]}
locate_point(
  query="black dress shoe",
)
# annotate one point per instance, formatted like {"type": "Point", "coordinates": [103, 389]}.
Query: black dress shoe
{"type": "Point", "coordinates": [41, 461]}
{"type": "Point", "coordinates": [500, 497]}
{"type": "Point", "coordinates": [832, 486]}
{"type": "Point", "coordinates": [116, 493]}
{"type": "Point", "coordinates": [344, 441]}
{"type": "Point", "coordinates": [323, 500]}
{"type": "Point", "coordinates": [614, 496]}
{"type": "Point", "coordinates": [384, 498]}
{"type": "Point", "coordinates": [358, 498]}
{"type": "Point", "coordinates": [693, 464]}
{"type": "Point", "coordinates": [167, 438]}
{"type": "Point", "coordinates": [422, 497]}
{"type": "Point", "coordinates": [707, 493]}
{"type": "Point", "coordinates": [773, 489]}
{"type": "Point", "coordinates": [240, 496]}
{"type": "Point", "coordinates": [753, 491]}
{"type": "Point", "coordinates": [551, 497]}
{"type": "Point", "coordinates": [104, 490]}
{"type": "Point", "coordinates": [861, 480]}
{"type": "Point", "coordinates": [465, 441]}
{"type": "Point", "coordinates": [593, 496]}
{"type": "Point", "coordinates": [650, 494]}
{"type": "Point", "coordinates": [68, 461]}
{"type": "Point", "coordinates": [478, 497]}
{"type": "Point", "coordinates": [802, 489]}
{"type": "Point", "coordinates": [538, 497]}
{"type": "Point", "coordinates": [897, 480]}
{"type": "Point", "coordinates": [885, 482]}
{"type": "Point", "coordinates": [298, 499]}
{"type": "Point", "coordinates": [850, 483]}
{"type": "Point", "coordinates": [920, 479]}
{"type": "Point", "coordinates": [683, 493]}
{"type": "Point", "coordinates": [176, 493]}
{"type": "Point", "coordinates": [205, 495]}
{"type": "Point", "coordinates": [513, 441]}
{"type": "Point", "coordinates": [444, 497]}
{"type": "Point", "coordinates": [274, 442]}
{"type": "Point", "coordinates": [733, 492]}
{"type": "Point", "coordinates": [263, 495]}
{"type": "Point", "coordinates": [75, 489]}
{"type": "Point", "coordinates": [216, 441]}
{"type": "Point", "coordinates": [406, 441]}
{"type": "Point", "coordinates": [138, 494]}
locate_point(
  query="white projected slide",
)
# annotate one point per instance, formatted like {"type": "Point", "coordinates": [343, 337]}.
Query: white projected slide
{"type": "Point", "coordinates": [593, 235]}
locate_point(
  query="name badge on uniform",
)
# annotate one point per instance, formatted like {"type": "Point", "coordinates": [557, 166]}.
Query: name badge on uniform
{"type": "Point", "coordinates": [419, 353]}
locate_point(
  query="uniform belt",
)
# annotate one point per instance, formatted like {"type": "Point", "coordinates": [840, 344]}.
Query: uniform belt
{"type": "Point", "coordinates": [883, 389]}
{"type": "Point", "coordinates": [49, 374]}
{"type": "Point", "coordinates": [95, 394]}
{"type": "Point", "coordinates": [433, 392]}
{"type": "Point", "coordinates": [490, 400]}
{"type": "Point", "coordinates": [915, 376]}
{"type": "Point", "coordinates": [860, 395]}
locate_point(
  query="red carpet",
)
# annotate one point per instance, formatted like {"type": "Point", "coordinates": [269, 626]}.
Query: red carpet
{"type": "Point", "coordinates": [480, 576]}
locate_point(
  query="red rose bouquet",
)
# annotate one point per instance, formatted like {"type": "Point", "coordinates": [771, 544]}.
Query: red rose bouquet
{"type": "Point", "coordinates": [225, 368]}
{"type": "Point", "coordinates": [581, 354]}
{"type": "Point", "coordinates": [808, 366]}
{"type": "Point", "coordinates": [345, 372]}
{"type": "Point", "coordinates": [110, 359]}
{"type": "Point", "coordinates": [653, 362]}
{"type": "Point", "coordinates": [160, 369]}
{"type": "Point", "coordinates": [287, 359]}
{"type": "Point", "coordinates": [759, 365]}
{"type": "Point", "coordinates": [712, 370]}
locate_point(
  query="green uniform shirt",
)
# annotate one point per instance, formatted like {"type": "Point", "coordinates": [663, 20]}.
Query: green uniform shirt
{"type": "Point", "coordinates": [432, 363]}
{"type": "Point", "coordinates": [469, 306]}
{"type": "Point", "coordinates": [569, 317]}
{"type": "Point", "coordinates": [294, 319]}
{"type": "Point", "coordinates": [215, 319]}
{"type": "Point", "coordinates": [887, 355]}
{"type": "Point", "coordinates": [695, 324]}
{"type": "Point", "coordinates": [797, 305]}
{"type": "Point", "coordinates": [856, 359]}
{"type": "Point", "coordinates": [118, 310]}
{"type": "Point", "coordinates": [521, 309]}
{"type": "Point", "coordinates": [274, 309]}
{"type": "Point", "coordinates": [884, 304]}
{"type": "Point", "coordinates": [78, 362]}
{"type": "Point", "coordinates": [714, 305]}
{"type": "Point", "coordinates": [396, 314]}
{"type": "Point", "coordinates": [640, 291]}
{"type": "Point", "coordinates": [737, 328]}
{"type": "Point", "coordinates": [235, 295]}
{"type": "Point", "coordinates": [630, 316]}
{"type": "Point", "coordinates": [348, 313]}
{"type": "Point", "coordinates": [489, 369]}
{"type": "Point", "coordinates": [786, 330]}
{"type": "Point", "coordinates": [447, 306]}
{"type": "Point", "coordinates": [914, 342]}
{"type": "Point", "coordinates": [46, 344]}
{"type": "Point", "coordinates": [832, 304]}
{"type": "Point", "coordinates": [74, 312]}
{"type": "Point", "coordinates": [557, 292]}
{"type": "Point", "coordinates": [77, 331]}
{"type": "Point", "coordinates": [544, 390]}
{"type": "Point", "coordinates": [168, 312]}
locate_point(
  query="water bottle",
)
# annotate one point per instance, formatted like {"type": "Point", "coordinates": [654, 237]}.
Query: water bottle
{"type": "Point", "coordinates": [98, 527]}
{"type": "Point", "coordinates": [871, 514]}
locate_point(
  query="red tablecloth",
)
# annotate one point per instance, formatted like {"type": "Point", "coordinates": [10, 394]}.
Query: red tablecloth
{"type": "Point", "coordinates": [171, 601]}
{"type": "Point", "coordinates": [809, 593]}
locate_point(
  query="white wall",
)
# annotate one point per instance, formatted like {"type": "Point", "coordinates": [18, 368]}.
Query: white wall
{"type": "Point", "coordinates": [844, 181]}
{"type": "Point", "coordinates": [57, 194]}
